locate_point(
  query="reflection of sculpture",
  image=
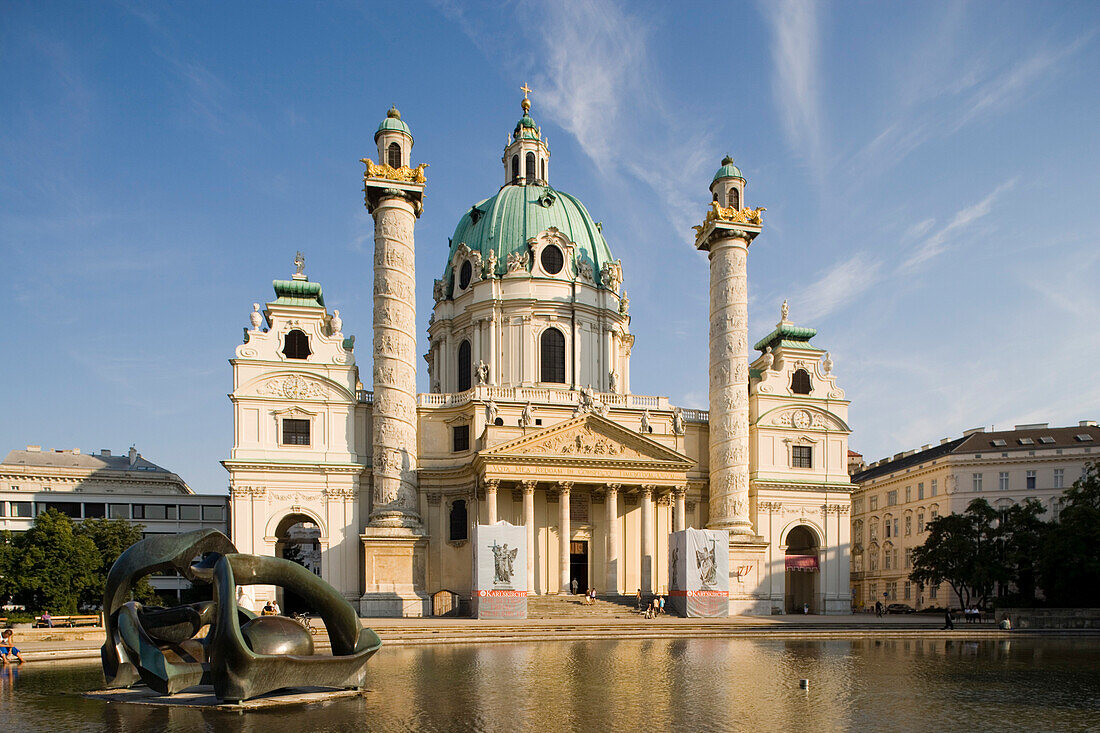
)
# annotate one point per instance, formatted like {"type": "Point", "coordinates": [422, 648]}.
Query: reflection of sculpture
{"type": "Point", "coordinates": [242, 655]}
{"type": "Point", "coordinates": [707, 565]}
{"type": "Point", "coordinates": [503, 562]}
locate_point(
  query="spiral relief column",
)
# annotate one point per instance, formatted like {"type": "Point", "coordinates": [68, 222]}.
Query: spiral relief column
{"type": "Point", "coordinates": [394, 424]}
{"type": "Point", "coordinates": [726, 234]}
{"type": "Point", "coordinates": [394, 542]}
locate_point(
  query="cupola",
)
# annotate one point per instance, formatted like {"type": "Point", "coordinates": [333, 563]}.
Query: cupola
{"type": "Point", "coordinates": [728, 185]}
{"type": "Point", "coordinates": [394, 140]}
{"type": "Point", "coordinates": [527, 156]}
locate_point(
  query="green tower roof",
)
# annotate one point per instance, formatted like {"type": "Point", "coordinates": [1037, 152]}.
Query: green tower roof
{"type": "Point", "coordinates": [790, 335]}
{"type": "Point", "coordinates": [393, 121]}
{"type": "Point", "coordinates": [504, 223]}
{"type": "Point", "coordinates": [298, 292]}
{"type": "Point", "coordinates": [728, 170]}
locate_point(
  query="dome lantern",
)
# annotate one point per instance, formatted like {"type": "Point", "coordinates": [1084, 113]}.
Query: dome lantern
{"type": "Point", "coordinates": [728, 185]}
{"type": "Point", "coordinates": [527, 156]}
{"type": "Point", "coordinates": [394, 140]}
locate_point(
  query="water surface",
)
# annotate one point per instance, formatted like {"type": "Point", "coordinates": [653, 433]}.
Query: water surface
{"type": "Point", "coordinates": [649, 685]}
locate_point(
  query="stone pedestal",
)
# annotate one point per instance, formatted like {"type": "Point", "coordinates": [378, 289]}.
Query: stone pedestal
{"type": "Point", "coordinates": [395, 572]}
{"type": "Point", "coordinates": [747, 569]}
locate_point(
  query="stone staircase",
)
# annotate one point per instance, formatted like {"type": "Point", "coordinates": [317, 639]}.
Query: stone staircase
{"type": "Point", "coordinates": [568, 606]}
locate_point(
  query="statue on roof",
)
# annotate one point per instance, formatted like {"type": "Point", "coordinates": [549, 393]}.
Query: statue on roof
{"type": "Point", "coordinates": [784, 310]}
{"type": "Point", "coordinates": [299, 263]}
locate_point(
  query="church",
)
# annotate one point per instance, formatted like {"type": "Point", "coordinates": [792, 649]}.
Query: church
{"type": "Point", "coordinates": [530, 417]}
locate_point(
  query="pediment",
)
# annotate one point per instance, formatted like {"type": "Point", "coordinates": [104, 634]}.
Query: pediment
{"type": "Point", "coordinates": [803, 417]}
{"type": "Point", "coordinates": [590, 437]}
{"type": "Point", "coordinates": [295, 386]}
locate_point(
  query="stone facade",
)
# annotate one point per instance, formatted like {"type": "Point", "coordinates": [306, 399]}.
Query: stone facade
{"type": "Point", "coordinates": [530, 418]}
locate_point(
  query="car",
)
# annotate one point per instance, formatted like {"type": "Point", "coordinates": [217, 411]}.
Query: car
{"type": "Point", "coordinates": [900, 608]}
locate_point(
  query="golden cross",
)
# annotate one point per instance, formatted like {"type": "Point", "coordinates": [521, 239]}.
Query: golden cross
{"type": "Point", "coordinates": [525, 90]}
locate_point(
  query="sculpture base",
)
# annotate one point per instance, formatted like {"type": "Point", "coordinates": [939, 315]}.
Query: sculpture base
{"type": "Point", "coordinates": [203, 697]}
{"type": "Point", "coordinates": [748, 569]}
{"type": "Point", "coordinates": [395, 572]}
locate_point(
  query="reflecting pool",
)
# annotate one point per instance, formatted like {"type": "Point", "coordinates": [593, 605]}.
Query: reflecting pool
{"type": "Point", "coordinates": [676, 684]}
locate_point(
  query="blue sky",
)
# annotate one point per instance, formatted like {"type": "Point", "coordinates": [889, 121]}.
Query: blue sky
{"type": "Point", "coordinates": [930, 172]}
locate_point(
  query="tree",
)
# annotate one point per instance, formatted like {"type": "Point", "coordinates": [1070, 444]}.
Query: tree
{"type": "Point", "coordinates": [111, 538]}
{"type": "Point", "coordinates": [1020, 536]}
{"type": "Point", "coordinates": [52, 565]}
{"type": "Point", "coordinates": [961, 550]}
{"type": "Point", "coordinates": [1070, 560]}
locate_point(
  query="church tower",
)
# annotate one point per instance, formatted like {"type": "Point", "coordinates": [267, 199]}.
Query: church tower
{"type": "Point", "coordinates": [393, 541]}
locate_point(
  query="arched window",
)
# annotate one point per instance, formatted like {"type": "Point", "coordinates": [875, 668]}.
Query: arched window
{"type": "Point", "coordinates": [458, 521]}
{"type": "Point", "coordinates": [552, 343]}
{"type": "Point", "coordinates": [543, 169]}
{"type": "Point", "coordinates": [515, 167]}
{"type": "Point", "coordinates": [530, 160]}
{"type": "Point", "coordinates": [800, 382]}
{"type": "Point", "coordinates": [734, 199]}
{"type": "Point", "coordinates": [296, 345]}
{"type": "Point", "coordinates": [464, 366]}
{"type": "Point", "coordinates": [464, 274]}
{"type": "Point", "coordinates": [393, 155]}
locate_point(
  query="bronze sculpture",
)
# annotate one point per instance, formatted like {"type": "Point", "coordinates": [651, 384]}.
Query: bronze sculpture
{"type": "Point", "coordinates": [242, 655]}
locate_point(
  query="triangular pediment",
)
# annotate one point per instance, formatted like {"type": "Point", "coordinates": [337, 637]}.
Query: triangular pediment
{"type": "Point", "coordinates": [590, 437]}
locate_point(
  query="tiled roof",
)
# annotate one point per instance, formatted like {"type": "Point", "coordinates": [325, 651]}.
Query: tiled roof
{"type": "Point", "coordinates": [90, 462]}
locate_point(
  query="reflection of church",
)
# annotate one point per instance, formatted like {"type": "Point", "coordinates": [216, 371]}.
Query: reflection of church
{"type": "Point", "coordinates": [530, 416]}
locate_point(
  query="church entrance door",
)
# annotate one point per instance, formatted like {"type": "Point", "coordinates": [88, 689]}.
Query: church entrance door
{"type": "Point", "coordinates": [578, 564]}
{"type": "Point", "coordinates": [802, 573]}
{"type": "Point", "coordinates": [297, 540]}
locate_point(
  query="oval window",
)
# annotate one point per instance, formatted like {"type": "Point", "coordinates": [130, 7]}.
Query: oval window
{"type": "Point", "coordinates": [465, 274]}
{"type": "Point", "coordinates": [552, 260]}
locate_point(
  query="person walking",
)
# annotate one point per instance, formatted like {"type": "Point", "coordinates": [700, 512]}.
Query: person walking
{"type": "Point", "coordinates": [948, 622]}
{"type": "Point", "coordinates": [638, 601]}
{"type": "Point", "coordinates": [662, 605]}
{"type": "Point", "coordinates": [574, 586]}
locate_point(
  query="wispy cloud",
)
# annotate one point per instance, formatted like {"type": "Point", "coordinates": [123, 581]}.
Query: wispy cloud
{"type": "Point", "coordinates": [963, 218]}
{"type": "Point", "coordinates": [795, 79]}
{"type": "Point", "coordinates": [841, 284]}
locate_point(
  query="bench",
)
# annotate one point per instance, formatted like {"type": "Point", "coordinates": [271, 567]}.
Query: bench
{"type": "Point", "coordinates": [67, 621]}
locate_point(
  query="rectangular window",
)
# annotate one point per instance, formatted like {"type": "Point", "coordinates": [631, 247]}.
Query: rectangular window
{"type": "Point", "coordinates": [872, 590]}
{"type": "Point", "coordinates": [908, 524]}
{"type": "Point", "coordinates": [1002, 481]}
{"type": "Point", "coordinates": [213, 513]}
{"type": "Point", "coordinates": [908, 590]}
{"type": "Point", "coordinates": [892, 498]}
{"type": "Point", "coordinates": [95, 510]}
{"type": "Point", "coordinates": [976, 482]}
{"type": "Point", "coordinates": [887, 524]}
{"type": "Point", "coordinates": [189, 512]}
{"type": "Point", "coordinates": [1031, 479]}
{"type": "Point", "coordinates": [22, 509]}
{"type": "Point", "coordinates": [150, 511]}
{"type": "Point", "coordinates": [920, 491]}
{"type": "Point", "coordinates": [873, 530]}
{"type": "Point", "coordinates": [934, 514]}
{"type": "Point", "coordinates": [908, 494]}
{"type": "Point", "coordinates": [892, 589]}
{"type": "Point", "coordinates": [70, 509]}
{"type": "Point", "coordinates": [1055, 509]}
{"type": "Point", "coordinates": [171, 511]}
{"type": "Point", "coordinates": [909, 557]}
{"type": "Point", "coordinates": [1059, 478]}
{"type": "Point", "coordinates": [886, 560]}
{"type": "Point", "coordinates": [460, 438]}
{"type": "Point", "coordinates": [295, 432]}
{"type": "Point", "coordinates": [119, 511]}
{"type": "Point", "coordinates": [933, 487]}
{"type": "Point", "coordinates": [802, 456]}
{"type": "Point", "coordinates": [932, 591]}
{"type": "Point", "coordinates": [874, 503]}
{"type": "Point", "coordinates": [895, 527]}
{"type": "Point", "coordinates": [920, 522]}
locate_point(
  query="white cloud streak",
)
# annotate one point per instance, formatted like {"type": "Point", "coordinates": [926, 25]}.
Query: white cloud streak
{"type": "Point", "coordinates": [842, 284]}
{"type": "Point", "coordinates": [963, 218]}
{"type": "Point", "coordinates": [795, 81]}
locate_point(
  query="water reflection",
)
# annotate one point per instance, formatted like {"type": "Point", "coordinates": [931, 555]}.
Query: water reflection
{"type": "Point", "coordinates": [687, 684]}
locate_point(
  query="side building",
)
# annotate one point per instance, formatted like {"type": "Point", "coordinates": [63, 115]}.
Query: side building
{"type": "Point", "coordinates": [95, 485]}
{"type": "Point", "coordinates": [897, 497]}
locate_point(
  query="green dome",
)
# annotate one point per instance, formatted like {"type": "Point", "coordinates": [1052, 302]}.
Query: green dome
{"type": "Point", "coordinates": [505, 222]}
{"type": "Point", "coordinates": [728, 170]}
{"type": "Point", "coordinates": [394, 122]}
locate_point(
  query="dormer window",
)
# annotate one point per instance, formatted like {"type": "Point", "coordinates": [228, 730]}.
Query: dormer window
{"type": "Point", "coordinates": [531, 170]}
{"type": "Point", "coordinates": [800, 382]}
{"type": "Point", "coordinates": [464, 274]}
{"type": "Point", "coordinates": [393, 155]}
{"type": "Point", "coordinates": [734, 199]}
{"type": "Point", "coordinates": [296, 345]}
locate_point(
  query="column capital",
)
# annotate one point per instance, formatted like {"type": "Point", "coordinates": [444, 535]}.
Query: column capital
{"type": "Point", "coordinates": [647, 489]}
{"type": "Point", "coordinates": [492, 484]}
{"type": "Point", "coordinates": [529, 486]}
{"type": "Point", "coordinates": [679, 490]}
{"type": "Point", "coordinates": [612, 488]}
{"type": "Point", "coordinates": [565, 486]}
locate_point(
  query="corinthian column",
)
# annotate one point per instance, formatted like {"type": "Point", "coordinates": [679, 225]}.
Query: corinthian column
{"type": "Point", "coordinates": [491, 498]}
{"type": "Point", "coordinates": [728, 244]}
{"type": "Point", "coordinates": [647, 538]}
{"type": "Point", "coordinates": [529, 527]}
{"type": "Point", "coordinates": [613, 561]}
{"type": "Point", "coordinates": [563, 536]}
